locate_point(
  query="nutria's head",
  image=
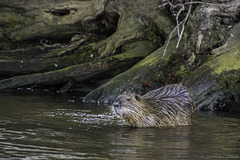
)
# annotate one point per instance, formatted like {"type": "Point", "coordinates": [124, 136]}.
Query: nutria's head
{"type": "Point", "coordinates": [132, 109]}
{"type": "Point", "coordinates": [124, 103]}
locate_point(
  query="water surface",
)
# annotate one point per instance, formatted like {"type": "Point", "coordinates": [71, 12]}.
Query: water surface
{"type": "Point", "coordinates": [59, 126]}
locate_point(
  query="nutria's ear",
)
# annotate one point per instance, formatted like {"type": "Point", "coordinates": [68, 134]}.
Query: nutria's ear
{"type": "Point", "coordinates": [137, 97]}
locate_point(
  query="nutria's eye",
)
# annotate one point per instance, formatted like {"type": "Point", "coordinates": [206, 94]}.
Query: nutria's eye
{"type": "Point", "coordinates": [128, 99]}
{"type": "Point", "coordinates": [137, 97]}
{"type": "Point", "coordinates": [116, 105]}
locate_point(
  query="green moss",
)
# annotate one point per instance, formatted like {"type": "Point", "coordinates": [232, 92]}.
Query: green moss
{"type": "Point", "coordinates": [183, 72]}
{"type": "Point", "coordinates": [158, 76]}
{"type": "Point", "coordinates": [229, 80]}
{"type": "Point", "coordinates": [152, 34]}
{"type": "Point", "coordinates": [12, 19]}
{"type": "Point", "coordinates": [207, 58]}
{"type": "Point", "coordinates": [185, 35]}
{"type": "Point", "coordinates": [78, 57]}
{"type": "Point", "coordinates": [12, 24]}
{"type": "Point", "coordinates": [136, 49]}
{"type": "Point", "coordinates": [226, 62]}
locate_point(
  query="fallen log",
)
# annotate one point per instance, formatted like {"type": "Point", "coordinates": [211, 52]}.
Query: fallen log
{"type": "Point", "coordinates": [109, 66]}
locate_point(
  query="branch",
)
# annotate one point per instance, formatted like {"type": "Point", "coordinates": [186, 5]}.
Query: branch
{"type": "Point", "coordinates": [183, 25]}
{"type": "Point", "coordinates": [177, 16]}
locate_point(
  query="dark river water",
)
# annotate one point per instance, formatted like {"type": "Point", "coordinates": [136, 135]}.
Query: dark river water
{"type": "Point", "coordinates": [59, 126]}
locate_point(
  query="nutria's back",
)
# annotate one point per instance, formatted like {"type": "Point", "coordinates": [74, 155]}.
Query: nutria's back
{"type": "Point", "coordinates": [170, 105]}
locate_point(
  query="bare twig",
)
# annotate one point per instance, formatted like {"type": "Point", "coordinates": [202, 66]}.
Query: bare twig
{"type": "Point", "coordinates": [163, 5]}
{"type": "Point", "coordinates": [177, 16]}
{"type": "Point", "coordinates": [168, 41]}
{"type": "Point", "coordinates": [183, 25]}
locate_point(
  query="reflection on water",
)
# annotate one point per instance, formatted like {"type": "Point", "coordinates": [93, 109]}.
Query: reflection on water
{"type": "Point", "coordinates": [52, 127]}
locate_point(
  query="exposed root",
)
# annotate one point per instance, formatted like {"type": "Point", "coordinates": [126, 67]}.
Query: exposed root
{"type": "Point", "coordinates": [178, 9]}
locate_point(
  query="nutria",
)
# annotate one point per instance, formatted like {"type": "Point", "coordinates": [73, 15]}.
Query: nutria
{"type": "Point", "coordinates": [170, 105]}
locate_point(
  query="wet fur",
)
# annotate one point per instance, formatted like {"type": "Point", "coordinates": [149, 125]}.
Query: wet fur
{"type": "Point", "coordinates": [170, 105]}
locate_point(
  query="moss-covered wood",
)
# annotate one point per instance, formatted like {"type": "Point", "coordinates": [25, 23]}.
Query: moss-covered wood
{"type": "Point", "coordinates": [213, 81]}
{"type": "Point", "coordinates": [102, 45]}
{"type": "Point", "coordinates": [217, 82]}
{"type": "Point", "coordinates": [109, 66]}
{"type": "Point", "coordinates": [133, 79]}
{"type": "Point", "coordinates": [52, 39]}
{"type": "Point", "coordinates": [46, 57]}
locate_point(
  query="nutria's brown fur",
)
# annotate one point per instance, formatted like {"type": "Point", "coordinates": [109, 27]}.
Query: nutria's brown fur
{"type": "Point", "coordinates": [170, 105]}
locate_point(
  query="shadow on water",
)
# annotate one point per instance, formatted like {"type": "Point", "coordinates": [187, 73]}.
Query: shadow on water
{"type": "Point", "coordinates": [50, 126]}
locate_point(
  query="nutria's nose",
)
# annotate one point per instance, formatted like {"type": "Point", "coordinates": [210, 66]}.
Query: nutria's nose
{"type": "Point", "coordinates": [116, 105]}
